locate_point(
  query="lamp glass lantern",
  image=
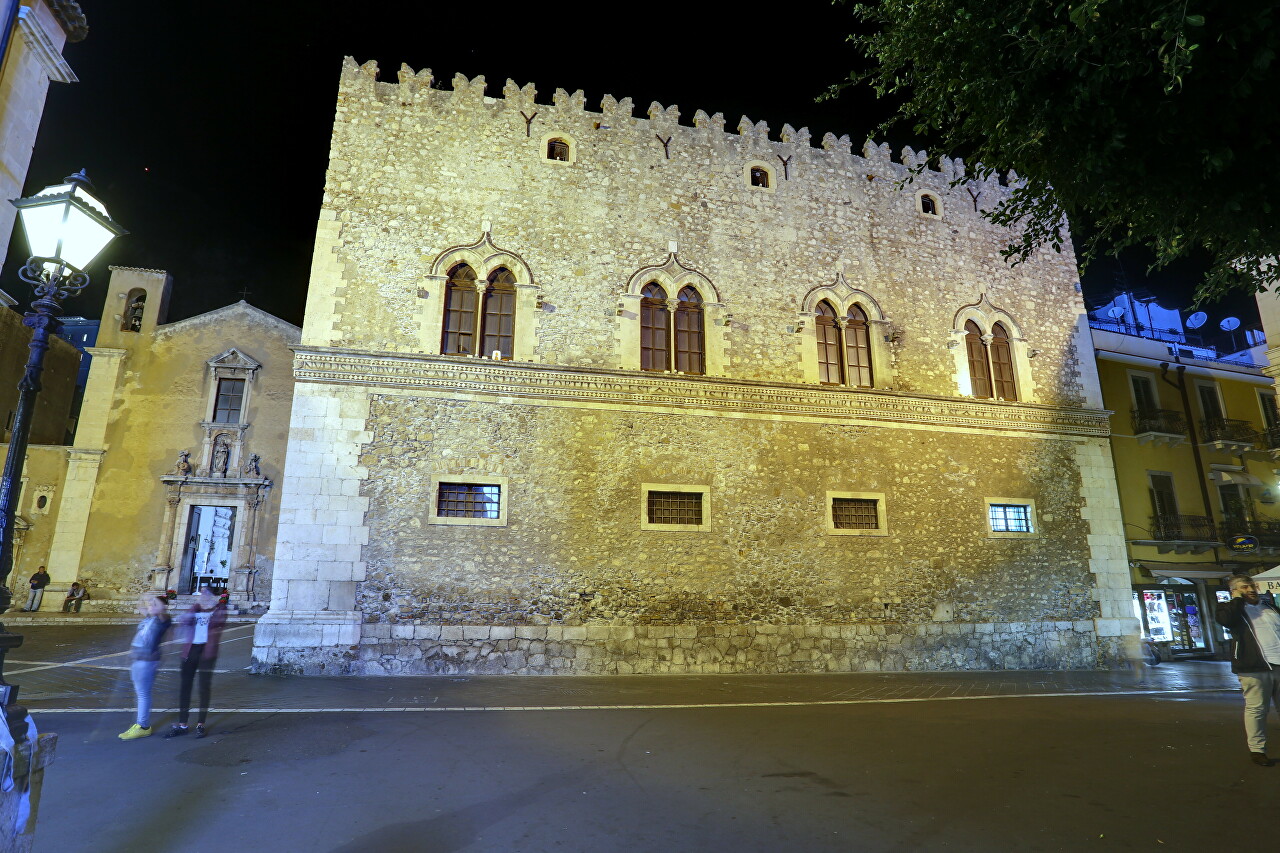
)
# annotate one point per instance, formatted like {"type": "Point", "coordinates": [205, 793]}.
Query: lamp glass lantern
{"type": "Point", "coordinates": [66, 224]}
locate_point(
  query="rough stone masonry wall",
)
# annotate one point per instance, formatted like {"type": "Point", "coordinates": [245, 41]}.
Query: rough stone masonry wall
{"type": "Point", "coordinates": [573, 583]}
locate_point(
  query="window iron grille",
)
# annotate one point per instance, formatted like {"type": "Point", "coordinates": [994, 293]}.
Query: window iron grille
{"type": "Point", "coordinates": [468, 500]}
{"type": "Point", "coordinates": [855, 513]}
{"type": "Point", "coordinates": [675, 508]}
{"type": "Point", "coordinates": [1010, 518]}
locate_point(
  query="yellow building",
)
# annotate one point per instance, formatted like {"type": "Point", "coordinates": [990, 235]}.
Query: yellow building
{"type": "Point", "coordinates": [168, 484]}
{"type": "Point", "coordinates": [1194, 436]}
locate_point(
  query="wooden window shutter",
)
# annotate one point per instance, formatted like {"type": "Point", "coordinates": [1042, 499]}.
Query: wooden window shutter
{"type": "Point", "coordinates": [459, 328]}
{"type": "Point", "coordinates": [655, 329]}
{"type": "Point", "coordinates": [979, 370]}
{"type": "Point", "coordinates": [830, 370]}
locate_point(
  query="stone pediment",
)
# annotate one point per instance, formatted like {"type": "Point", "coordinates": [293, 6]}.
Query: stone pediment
{"type": "Point", "coordinates": [234, 359]}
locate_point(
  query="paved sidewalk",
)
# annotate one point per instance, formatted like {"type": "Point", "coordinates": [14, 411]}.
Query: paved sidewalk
{"type": "Point", "coordinates": [84, 669]}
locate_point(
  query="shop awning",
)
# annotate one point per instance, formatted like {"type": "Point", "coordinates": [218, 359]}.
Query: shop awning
{"type": "Point", "coordinates": [1236, 477]}
{"type": "Point", "coordinates": [1204, 571]}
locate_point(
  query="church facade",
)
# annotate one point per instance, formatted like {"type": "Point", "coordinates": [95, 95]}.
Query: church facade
{"type": "Point", "coordinates": [168, 484]}
{"type": "Point", "coordinates": [585, 392]}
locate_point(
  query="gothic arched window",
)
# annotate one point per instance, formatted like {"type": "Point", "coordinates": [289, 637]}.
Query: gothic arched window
{"type": "Point", "coordinates": [979, 368]}
{"type": "Point", "coordinates": [459, 335]}
{"type": "Point", "coordinates": [498, 320]}
{"type": "Point", "coordinates": [830, 370]}
{"type": "Point", "coordinates": [655, 328]}
{"type": "Point", "coordinates": [1002, 364]}
{"type": "Point", "coordinates": [690, 345]}
{"type": "Point", "coordinates": [857, 342]}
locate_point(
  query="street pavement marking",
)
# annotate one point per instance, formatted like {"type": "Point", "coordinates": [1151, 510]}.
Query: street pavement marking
{"type": "Point", "coordinates": [83, 661]}
{"type": "Point", "coordinates": [671, 707]}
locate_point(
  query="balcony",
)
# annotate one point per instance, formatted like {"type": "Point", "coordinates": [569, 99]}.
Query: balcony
{"type": "Point", "coordinates": [1182, 534]}
{"type": "Point", "coordinates": [1228, 434]}
{"type": "Point", "coordinates": [1159, 426]}
{"type": "Point", "coordinates": [1270, 440]}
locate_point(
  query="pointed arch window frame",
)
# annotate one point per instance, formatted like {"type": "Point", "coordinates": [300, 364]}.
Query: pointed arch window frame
{"type": "Point", "coordinates": [1013, 355]}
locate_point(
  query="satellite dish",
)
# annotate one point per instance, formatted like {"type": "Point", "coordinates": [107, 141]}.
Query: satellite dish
{"type": "Point", "coordinates": [1229, 324]}
{"type": "Point", "coordinates": [1197, 320]}
{"type": "Point", "coordinates": [1115, 313]}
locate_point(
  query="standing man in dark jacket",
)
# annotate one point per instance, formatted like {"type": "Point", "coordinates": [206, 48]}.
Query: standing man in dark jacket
{"type": "Point", "coordinates": [1255, 657]}
{"type": "Point", "coordinates": [38, 582]}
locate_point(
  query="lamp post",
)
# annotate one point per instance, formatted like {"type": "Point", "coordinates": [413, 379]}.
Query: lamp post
{"type": "Point", "coordinates": [66, 227]}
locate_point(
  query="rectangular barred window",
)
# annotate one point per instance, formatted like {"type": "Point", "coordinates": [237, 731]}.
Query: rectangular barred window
{"type": "Point", "coordinates": [855, 514]}
{"type": "Point", "coordinates": [468, 500]}
{"type": "Point", "coordinates": [1009, 518]}
{"type": "Point", "coordinates": [675, 508]}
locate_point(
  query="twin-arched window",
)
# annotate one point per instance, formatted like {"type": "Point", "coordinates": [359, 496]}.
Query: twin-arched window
{"type": "Point", "coordinates": [657, 342]}
{"type": "Point", "coordinates": [844, 347]}
{"type": "Point", "coordinates": [472, 314]}
{"type": "Point", "coordinates": [990, 362]}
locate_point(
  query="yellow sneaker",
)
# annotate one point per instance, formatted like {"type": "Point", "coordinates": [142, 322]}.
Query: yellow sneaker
{"type": "Point", "coordinates": [135, 731]}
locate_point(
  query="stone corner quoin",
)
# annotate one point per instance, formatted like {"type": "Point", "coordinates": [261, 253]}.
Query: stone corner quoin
{"type": "Point", "coordinates": [809, 377]}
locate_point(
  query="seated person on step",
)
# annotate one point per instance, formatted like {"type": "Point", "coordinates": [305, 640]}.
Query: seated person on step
{"type": "Point", "coordinates": [75, 597]}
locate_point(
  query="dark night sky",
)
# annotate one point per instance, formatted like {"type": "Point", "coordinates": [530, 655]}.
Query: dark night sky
{"type": "Point", "coordinates": [206, 129]}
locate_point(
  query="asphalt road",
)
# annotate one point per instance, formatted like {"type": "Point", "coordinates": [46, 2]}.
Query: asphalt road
{"type": "Point", "coordinates": [1158, 768]}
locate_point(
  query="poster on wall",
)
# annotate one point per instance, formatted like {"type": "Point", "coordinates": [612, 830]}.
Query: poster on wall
{"type": "Point", "coordinates": [1158, 624]}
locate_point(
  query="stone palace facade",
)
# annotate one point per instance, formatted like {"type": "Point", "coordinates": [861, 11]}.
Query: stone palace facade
{"type": "Point", "coordinates": [585, 392]}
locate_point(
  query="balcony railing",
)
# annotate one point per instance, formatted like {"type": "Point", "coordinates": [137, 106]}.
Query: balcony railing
{"type": "Point", "coordinates": [1158, 420]}
{"type": "Point", "coordinates": [1228, 429]}
{"type": "Point", "coordinates": [1270, 437]}
{"type": "Point", "coordinates": [1197, 528]}
{"type": "Point", "coordinates": [1268, 533]}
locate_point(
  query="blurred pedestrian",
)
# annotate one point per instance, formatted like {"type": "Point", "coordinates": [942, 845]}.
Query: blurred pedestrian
{"type": "Point", "coordinates": [202, 625]}
{"type": "Point", "coordinates": [39, 581]}
{"type": "Point", "coordinates": [145, 652]}
{"type": "Point", "coordinates": [1255, 658]}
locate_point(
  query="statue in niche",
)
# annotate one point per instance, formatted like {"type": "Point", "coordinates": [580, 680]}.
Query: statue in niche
{"type": "Point", "coordinates": [183, 465]}
{"type": "Point", "coordinates": [251, 467]}
{"type": "Point", "coordinates": [221, 455]}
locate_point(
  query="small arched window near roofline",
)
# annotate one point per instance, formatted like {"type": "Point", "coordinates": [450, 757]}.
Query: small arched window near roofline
{"type": "Point", "coordinates": [929, 205]}
{"type": "Point", "coordinates": [558, 149]}
{"type": "Point", "coordinates": [759, 177]}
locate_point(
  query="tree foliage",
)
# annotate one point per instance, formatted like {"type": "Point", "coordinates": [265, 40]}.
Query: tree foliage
{"type": "Point", "coordinates": [1150, 123]}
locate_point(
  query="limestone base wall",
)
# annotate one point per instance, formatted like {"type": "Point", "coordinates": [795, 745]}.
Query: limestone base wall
{"type": "Point", "coordinates": [433, 649]}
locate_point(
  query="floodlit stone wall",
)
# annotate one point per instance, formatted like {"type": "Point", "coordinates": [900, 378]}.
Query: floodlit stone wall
{"type": "Point", "coordinates": [570, 579]}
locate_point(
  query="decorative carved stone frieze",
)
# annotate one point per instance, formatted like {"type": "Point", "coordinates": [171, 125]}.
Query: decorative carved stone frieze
{"type": "Point", "coordinates": [473, 376]}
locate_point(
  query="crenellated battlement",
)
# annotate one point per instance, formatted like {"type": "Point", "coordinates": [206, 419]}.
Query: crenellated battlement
{"type": "Point", "coordinates": [420, 91]}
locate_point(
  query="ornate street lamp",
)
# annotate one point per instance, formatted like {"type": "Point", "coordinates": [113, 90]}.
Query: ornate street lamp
{"type": "Point", "coordinates": [66, 227]}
